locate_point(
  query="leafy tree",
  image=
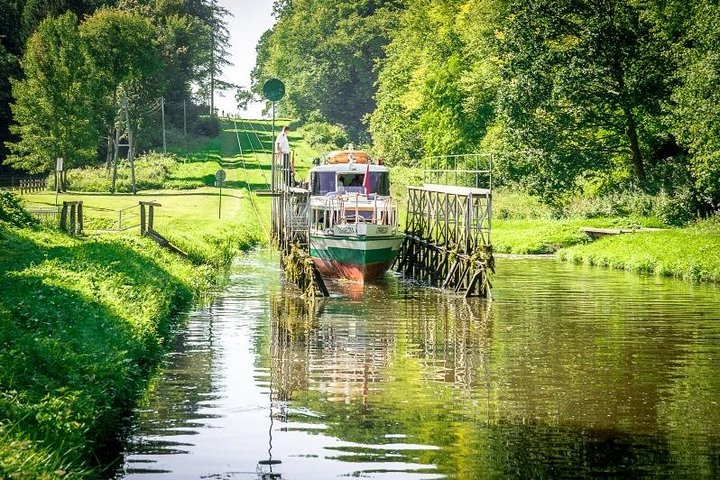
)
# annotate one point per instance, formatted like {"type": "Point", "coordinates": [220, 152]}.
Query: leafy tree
{"type": "Point", "coordinates": [695, 105]}
{"type": "Point", "coordinates": [583, 85]}
{"type": "Point", "coordinates": [122, 46]}
{"type": "Point", "coordinates": [243, 97]}
{"type": "Point", "coordinates": [53, 107]}
{"type": "Point", "coordinates": [325, 52]}
{"type": "Point", "coordinates": [436, 92]}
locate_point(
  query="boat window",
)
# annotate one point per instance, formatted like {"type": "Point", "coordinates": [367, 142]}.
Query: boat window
{"type": "Point", "coordinates": [322, 182]}
{"type": "Point", "coordinates": [325, 182]}
{"type": "Point", "coordinates": [380, 183]}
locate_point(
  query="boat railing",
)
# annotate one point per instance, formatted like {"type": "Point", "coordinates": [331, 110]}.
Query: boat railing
{"type": "Point", "coordinates": [353, 209]}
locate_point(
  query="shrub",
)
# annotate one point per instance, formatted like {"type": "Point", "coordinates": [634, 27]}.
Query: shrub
{"type": "Point", "coordinates": [677, 209]}
{"type": "Point", "coordinates": [208, 126]}
{"type": "Point", "coordinates": [11, 211]}
{"type": "Point", "coordinates": [151, 171]}
{"type": "Point", "coordinates": [325, 136]}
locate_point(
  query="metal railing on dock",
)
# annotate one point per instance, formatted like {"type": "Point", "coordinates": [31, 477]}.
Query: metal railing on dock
{"type": "Point", "coordinates": [448, 237]}
{"type": "Point", "coordinates": [464, 170]}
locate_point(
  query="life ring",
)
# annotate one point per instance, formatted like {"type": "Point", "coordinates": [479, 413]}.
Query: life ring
{"type": "Point", "coordinates": [343, 156]}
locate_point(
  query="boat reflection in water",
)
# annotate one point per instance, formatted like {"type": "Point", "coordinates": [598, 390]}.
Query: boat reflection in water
{"type": "Point", "coordinates": [569, 372]}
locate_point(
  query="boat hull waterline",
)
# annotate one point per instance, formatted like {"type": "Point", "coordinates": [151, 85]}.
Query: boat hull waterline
{"type": "Point", "coordinates": [359, 259]}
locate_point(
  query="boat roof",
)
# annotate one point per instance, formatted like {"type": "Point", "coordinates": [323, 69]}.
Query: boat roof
{"type": "Point", "coordinates": [349, 168]}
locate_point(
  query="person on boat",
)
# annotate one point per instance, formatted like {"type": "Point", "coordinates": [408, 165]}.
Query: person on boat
{"type": "Point", "coordinates": [282, 149]}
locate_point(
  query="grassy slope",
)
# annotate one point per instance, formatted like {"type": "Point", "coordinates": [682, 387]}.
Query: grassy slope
{"type": "Point", "coordinates": [189, 218]}
{"type": "Point", "coordinates": [691, 253]}
{"type": "Point", "coordinates": [82, 321]}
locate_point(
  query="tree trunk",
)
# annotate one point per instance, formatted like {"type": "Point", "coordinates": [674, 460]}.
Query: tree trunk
{"type": "Point", "coordinates": [634, 144]}
{"type": "Point", "coordinates": [109, 153]}
{"type": "Point", "coordinates": [116, 152]}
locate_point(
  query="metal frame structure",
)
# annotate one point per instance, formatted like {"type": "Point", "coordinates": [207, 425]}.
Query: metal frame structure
{"type": "Point", "coordinates": [448, 231]}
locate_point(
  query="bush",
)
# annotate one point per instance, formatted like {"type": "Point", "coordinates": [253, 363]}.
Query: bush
{"type": "Point", "coordinates": [151, 171]}
{"type": "Point", "coordinates": [628, 203]}
{"type": "Point", "coordinates": [677, 209]}
{"type": "Point", "coordinates": [208, 126]}
{"type": "Point", "coordinates": [325, 136]}
{"type": "Point", "coordinates": [12, 212]}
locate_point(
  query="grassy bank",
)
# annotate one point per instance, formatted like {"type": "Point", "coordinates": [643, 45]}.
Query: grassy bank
{"type": "Point", "coordinates": [691, 253]}
{"type": "Point", "coordinates": [84, 320]}
{"type": "Point", "coordinates": [524, 225]}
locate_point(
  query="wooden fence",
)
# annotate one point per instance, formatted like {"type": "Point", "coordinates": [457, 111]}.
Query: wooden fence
{"type": "Point", "coordinates": [32, 185]}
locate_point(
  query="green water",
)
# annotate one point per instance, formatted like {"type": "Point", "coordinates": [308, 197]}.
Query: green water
{"type": "Point", "coordinates": [569, 372]}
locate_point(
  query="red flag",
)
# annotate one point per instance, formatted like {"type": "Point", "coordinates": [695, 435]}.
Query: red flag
{"type": "Point", "coordinates": [366, 180]}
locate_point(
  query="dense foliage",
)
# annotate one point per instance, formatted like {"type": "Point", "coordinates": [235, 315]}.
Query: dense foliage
{"type": "Point", "coordinates": [570, 96]}
{"type": "Point", "coordinates": [81, 79]}
{"type": "Point", "coordinates": [325, 52]}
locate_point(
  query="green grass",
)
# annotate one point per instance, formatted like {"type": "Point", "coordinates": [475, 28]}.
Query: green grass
{"type": "Point", "coordinates": [691, 253]}
{"type": "Point", "coordinates": [83, 321]}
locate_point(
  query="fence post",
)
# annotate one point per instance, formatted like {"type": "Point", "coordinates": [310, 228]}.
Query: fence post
{"type": "Point", "coordinates": [63, 216]}
{"type": "Point", "coordinates": [142, 220]}
{"type": "Point", "coordinates": [80, 219]}
{"type": "Point", "coordinates": [73, 213]}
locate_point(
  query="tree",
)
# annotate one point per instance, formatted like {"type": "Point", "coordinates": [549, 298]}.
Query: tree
{"type": "Point", "coordinates": [325, 52]}
{"type": "Point", "coordinates": [695, 107]}
{"type": "Point", "coordinates": [53, 107]}
{"type": "Point", "coordinates": [243, 97]}
{"type": "Point", "coordinates": [124, 58]}
{"type": "Point", "coordinates": [437, 92]}
{"type": "Point", "coordinates": [583, 85]}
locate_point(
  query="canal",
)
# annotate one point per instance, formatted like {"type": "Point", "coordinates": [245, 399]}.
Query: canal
{"type": "Point", "coordinates": [569, 372]}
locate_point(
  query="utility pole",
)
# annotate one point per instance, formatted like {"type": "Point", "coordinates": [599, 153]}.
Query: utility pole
{"type": "Point", "coordinates": [162, 107]}
{"type": "Point", "coordinates": [212, 61]}
{"type": "Point", "coordinates": [184, 119]}
{"type": "Point", "coordinates": [131, 156]}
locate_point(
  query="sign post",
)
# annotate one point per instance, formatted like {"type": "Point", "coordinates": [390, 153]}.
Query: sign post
{"type": "Point", "coordinates": [219, 181]}
{"type": "Point", "coordinates": [274, 90]}
{"type": "Point", "coordinates": [58, 176]}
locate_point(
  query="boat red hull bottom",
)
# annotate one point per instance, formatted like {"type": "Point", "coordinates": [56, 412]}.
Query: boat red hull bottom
{"type": "Point", "coordinates": [355, 272]}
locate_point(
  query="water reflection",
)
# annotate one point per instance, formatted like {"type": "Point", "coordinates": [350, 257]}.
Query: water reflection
{"type": "Point", "coordinates": [569, 372]}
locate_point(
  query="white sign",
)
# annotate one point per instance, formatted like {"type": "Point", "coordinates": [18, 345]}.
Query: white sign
{"type": "Point", "coordinates": [59, 164]}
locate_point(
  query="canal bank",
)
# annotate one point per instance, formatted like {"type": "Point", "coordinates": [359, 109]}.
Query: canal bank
{"type": "Point", "coordinates": [83, 321]}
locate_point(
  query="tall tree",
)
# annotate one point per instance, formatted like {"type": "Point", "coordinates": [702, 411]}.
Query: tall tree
{"type": "Point", "coordinates": [53, 107]}
{"type": "Point", "coordinates": [122, 46]}
{"type": "Point", "coordinates": [583, 85]}
{"type": "Point", "coordinates": [695, 104]}
{"type": "Point", "coordinates": [436, 92]}
{"type": "Point", "coordinates": [325, 52]}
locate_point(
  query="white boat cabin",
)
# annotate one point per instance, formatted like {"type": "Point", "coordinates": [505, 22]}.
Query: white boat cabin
{"type": "Point", "coordinates": [342, 197]}
{"type": "Point", "coordinates": [349, 178]}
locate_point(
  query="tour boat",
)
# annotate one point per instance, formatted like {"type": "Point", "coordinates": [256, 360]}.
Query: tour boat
{"type": "Point", "coordinates": [353, 219]}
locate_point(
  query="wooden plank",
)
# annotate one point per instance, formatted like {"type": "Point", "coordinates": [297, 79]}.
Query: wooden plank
{"type": "Point", "coordinates": [601, 232]}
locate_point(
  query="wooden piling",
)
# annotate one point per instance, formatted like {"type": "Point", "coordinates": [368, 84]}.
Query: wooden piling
{"type": "Point", "coordinates": [71, 218]}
